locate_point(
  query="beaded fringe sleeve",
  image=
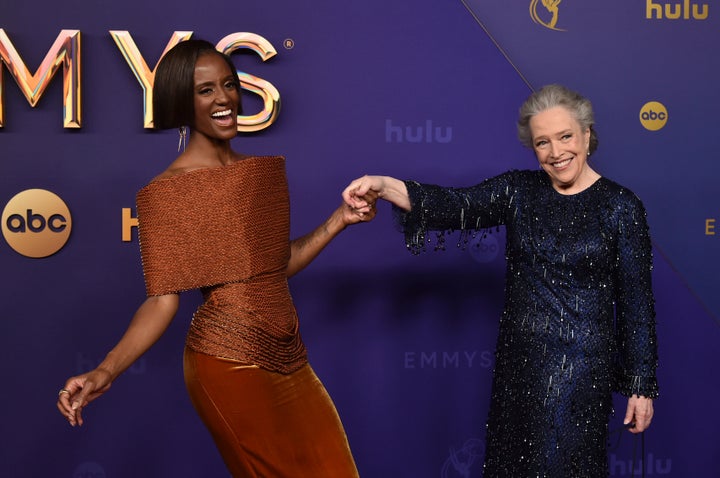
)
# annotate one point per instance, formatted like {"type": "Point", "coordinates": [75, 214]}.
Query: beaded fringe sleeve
{"type": "Point", "coordinates": [226, 231]}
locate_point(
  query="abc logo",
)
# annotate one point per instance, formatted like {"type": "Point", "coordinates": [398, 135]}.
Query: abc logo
{"type": "Point", "coordinates": [653, 115]}
{"type": "Point", "coordinates": [36, 223]}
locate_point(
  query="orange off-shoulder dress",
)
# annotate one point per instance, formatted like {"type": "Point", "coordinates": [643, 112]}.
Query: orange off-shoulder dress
{"type": "Point", "coordinates": [225, 231]}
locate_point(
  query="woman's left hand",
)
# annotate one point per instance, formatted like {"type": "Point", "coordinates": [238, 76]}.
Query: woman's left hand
{"type": "Point", "coordinates": [639, 412]}
{"type": "Point", "coordinates": [353, 216]}
{"type": "Point", "coordinates": [354, 213]}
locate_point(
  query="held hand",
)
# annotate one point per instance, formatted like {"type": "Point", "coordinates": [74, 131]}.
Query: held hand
{"type": "Point", "coordinates": [305, 249]}
{"type": "Point", "coordinates": [362, 193]}
{"type": "Point", "coordinates": [639, 412]}
{"type": "Point", "coordinates": [80, 391]}
{"type": "Point", "coordinates": [365, 213]}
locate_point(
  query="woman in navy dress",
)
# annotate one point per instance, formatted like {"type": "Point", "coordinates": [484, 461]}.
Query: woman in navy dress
{"type": "Point", "coordinates": [578, 321]}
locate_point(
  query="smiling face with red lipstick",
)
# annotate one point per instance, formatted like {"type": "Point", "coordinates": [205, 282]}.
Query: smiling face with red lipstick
{"type": "Point", "coordinates": [562, 148]}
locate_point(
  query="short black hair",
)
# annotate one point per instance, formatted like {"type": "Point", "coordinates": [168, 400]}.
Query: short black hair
{"type": "Point", "coordinates": [172, 102]}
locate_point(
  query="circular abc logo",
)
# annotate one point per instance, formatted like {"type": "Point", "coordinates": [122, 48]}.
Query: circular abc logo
{"type": "Point", "coordinates": [653, 115]}
{"type": "Point", "coordinates": [36, 223]}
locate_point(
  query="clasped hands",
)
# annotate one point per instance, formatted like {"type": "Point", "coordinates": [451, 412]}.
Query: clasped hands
{"type": "Point", "coordinates": [362, 193]}
{"type": "Point", "coordinates": [361, 196]}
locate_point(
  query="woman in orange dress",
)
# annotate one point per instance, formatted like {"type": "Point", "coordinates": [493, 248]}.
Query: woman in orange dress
{"type": "Point", "coordinates": [218, 221]}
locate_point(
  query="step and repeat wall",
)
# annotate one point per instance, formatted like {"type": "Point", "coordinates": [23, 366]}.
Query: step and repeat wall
{"type": "Point", "coordinates": [426, 90]}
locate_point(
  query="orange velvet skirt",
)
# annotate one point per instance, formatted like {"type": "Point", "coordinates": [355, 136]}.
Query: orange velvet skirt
{"type": "Point", "coordinates": [267, 424]}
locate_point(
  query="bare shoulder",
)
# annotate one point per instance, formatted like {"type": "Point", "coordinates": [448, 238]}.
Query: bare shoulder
{"type": "Point", "coordinates": [186, 163]}
{"type": "Point", "coordinates": [183, 164]}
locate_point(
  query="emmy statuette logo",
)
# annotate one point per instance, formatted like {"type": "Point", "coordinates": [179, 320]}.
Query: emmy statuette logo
{"type": "Point", "coordinates": [549, 17]}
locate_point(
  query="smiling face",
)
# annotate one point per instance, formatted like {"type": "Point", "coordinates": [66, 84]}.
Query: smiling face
{"type": "Point", "coordinates": [561, 147]}
{"type": "Point", "coordinates": [216, 94]}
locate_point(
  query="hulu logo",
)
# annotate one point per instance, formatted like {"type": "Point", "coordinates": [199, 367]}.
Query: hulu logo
{"type": "Point", "coordinates": [427, 133]}
{"type": "Point", "coordinates": [675, 11]}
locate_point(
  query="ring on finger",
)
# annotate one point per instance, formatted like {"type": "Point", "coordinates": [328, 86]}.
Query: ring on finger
{"type": "Point", "coordinates": [63, 390]}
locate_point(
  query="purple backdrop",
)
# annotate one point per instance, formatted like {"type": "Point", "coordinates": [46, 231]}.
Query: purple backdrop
{"type": "Point", "coordinates": [404, 344]}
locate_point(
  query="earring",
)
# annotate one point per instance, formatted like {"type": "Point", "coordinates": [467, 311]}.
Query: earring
{"type": "Point", "coordinates": [182, 131]}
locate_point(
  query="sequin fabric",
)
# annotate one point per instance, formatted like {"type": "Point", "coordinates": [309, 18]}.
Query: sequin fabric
{"type": "Point", "coordinates": [578, 320]}
{"type": "Point", "coordinates": [226, 231]}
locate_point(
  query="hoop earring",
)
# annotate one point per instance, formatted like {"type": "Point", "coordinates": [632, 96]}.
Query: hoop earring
{"type": "Point", "coordinates": [182, 131]}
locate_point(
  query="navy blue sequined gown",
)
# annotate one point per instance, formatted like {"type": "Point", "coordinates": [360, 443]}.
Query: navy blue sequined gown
{"type": "Point", "coordinates": [578, 321]}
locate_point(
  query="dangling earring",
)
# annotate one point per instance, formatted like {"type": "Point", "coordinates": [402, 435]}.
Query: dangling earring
{"type": "Point", "coordinates": [182, 131]}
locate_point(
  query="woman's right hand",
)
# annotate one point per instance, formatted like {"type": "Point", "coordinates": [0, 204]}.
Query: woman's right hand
{"type": "Point", "coordinates": [149, 322]}
{"type": "Point", "coordinates": [80, 391]}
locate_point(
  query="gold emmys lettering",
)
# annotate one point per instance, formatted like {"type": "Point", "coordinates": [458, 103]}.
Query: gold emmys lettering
{"type": "Point", "coordinates": [66, 53]}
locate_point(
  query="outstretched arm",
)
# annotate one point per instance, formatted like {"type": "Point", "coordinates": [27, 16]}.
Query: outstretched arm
{"type": "Point", "coordinates": [149, 323]}
{"type": "Point", "coordinates": [305, 249]}
{"type": "Point", "coordinates": [363, 191]}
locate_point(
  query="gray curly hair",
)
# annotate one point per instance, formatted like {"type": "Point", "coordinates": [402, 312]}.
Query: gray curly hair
{"type": "Point", "coordinates": [551, 96]}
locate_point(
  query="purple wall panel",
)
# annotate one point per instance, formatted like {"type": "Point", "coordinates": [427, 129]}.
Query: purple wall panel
{"type": "Point", "coordinates": [404, 344]}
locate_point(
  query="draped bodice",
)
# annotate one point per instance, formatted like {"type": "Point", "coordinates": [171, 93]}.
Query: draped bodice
{"type": "Point", "coordinates": [226, 231]}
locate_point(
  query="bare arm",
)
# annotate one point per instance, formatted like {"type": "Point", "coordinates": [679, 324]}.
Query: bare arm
{"type": "Point", "coordinates": [148, 324]}
{"type": "Point", "coordinates": [305, 249]}
{"type": "Point", "coordinates": [362, 192]}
